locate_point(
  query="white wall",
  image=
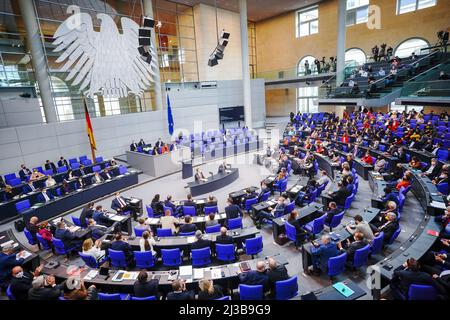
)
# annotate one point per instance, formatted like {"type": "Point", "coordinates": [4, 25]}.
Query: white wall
{"type": "Point", "coordinates": [33, 144]}
{"type": "Point", "coordinates": [17, 111]}
{"type": "Point", "coordinates": [230, 67]}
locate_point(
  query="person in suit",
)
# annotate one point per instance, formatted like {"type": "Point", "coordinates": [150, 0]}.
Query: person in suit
{"type": "Point", "coordinates": [32, 227]}
{"type": "Point", "coordinates": [232, 210]}
{"type": "Point", "coordinates": [331, 212]}
{"type": "Point", "coordinates": [159, 143]}
{"type": "Point", "coordinates": [271, 212]}
{"type": "Point", "coordinates": [433, 169]}
{"type": "Point", "coordinates": [97, 178]}
{"type": "Point", "coordinates": [390, 194]}
{"type": "Point", "coordinates": [49, 165]}
{"type": "Point", "coordinates": [28, 187]}
{"type": "Point", "coordinates": [143, 287]}
{"type": "Point", "coordinates": [86, 213]}
{"type": "Point", "coordinates": [211, 220]}
{"type": "Point", "coordinates": [388, 228]}
{"type": "Point", "coordinates": [24, 172]}
{"type": "Point", "coordinates": [401, 155]}
{"type": "Point", "coordinates": [188, 226]}
{"type": "Point", "coordinates": [45, 196]}
{"type": "Point", "coordinates": [120, 204]}
{"type": "Point", "coordinates": [142, 143]}
{"type": "Point", "coordinates": [264, 189]}
{"type": "Point", "coordinates": [224, 238]}
{"type": "Point", "coordinates": [199, 176]}
{"type": "Point", "coordinates": [208, 290]}
{"type": "Point", "coordinates": [222, 168]}
{"type": "Point", "coordinates": [157, 205]}
{"type": "Point", "coordinates": [69, 239]}
{"type": "Point", "coordinates": [211, 202]}
{"type": "Point", "coordinates": [179, 291]}
{"type": "Point", "coordinates": [21, 281]}
{"type": "Point", "coordinates": [322, 252]}
{"type": "Point", "coordinates": [410, 273]}
{"type": "Point", "coordinates": [97, 230]}
{"type": "Point", "coordinates": [99, 216]}
{"type": "Point", "coordinates": [200, 243]}
{"type": "Point", "coordinates": [119, 244]}
{"type": "Point", "coordinates": [63, 162]}
{"type": "Point", "coordinates": [249, 194]}
{"type": "Point", "coordinates": [168, 203]}
{"type": "Point", "coordinates": [256, 277]}
{"type": "Point", "coordinates": [361, 226]}
{"type": "Point", "coordinates": [351, 247]}
{"type": "Point", "coordinates": [8, 260]}
{"type": "Point", "coordinates": [80, 183]}
{"type": "Point", "coordinates": [340, 195]}
{"type": "Point", "coordinates": [44, 288]}
{"type": "Point", "coordinates": [107, 174]}
{"type": "Point", "coordinates": [276, 272]}
{"type": "Point", "coordinates": [189, 202]}
{"type": "Point", "coordinates": [133, 146]}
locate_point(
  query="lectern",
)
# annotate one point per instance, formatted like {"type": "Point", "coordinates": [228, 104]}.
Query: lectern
{"type": "Point", "coordinates": [186, 169]}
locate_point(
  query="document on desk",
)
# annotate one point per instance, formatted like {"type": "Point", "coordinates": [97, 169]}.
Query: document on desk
{"type": "Point", "coordinates": [116, 217]}
{"type": "Point", "coordinates": [216, 273]}
{"type": "Point", "coordinates": [74, 228]}
{"type": "Point", "coordinates": [190, 239]}
{"type": "Point", "coordinates": [7, 243]}
{"type": "Point", "coordinates": [23, 255]}
{"type": "Point", "coordinates": [185, 271]}
{"type": "Point", "coordinates": [152, 220]}
{"type": "Point", "coordinates": [198, 274]}
{"type": "Point", "coordinates": [438, 205]}
{"type": "Point", "coordinates": [200, 219]}
{"type": "Point", "coordinates": [343, 289]}
{"type": "Point", "coordinates": [91, 275]}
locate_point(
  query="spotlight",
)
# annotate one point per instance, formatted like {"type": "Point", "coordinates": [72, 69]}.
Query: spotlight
{"type": "Point", "coordinates": [212, 61]}
{"type": "Point", "coordinates": [145, 33]}
{"type": "Point", "coordinates": [144, 41]}
{"type": "Point", "coordinates": [225, 35]}
{"type": "Point", "coordinates": [148, 22]}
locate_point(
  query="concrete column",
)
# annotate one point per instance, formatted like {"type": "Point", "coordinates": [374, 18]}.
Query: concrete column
{"type": "Point", "coordinates": [38, 58]}
{"type": "Point", "coordinates": [342, 14]}
{"type": "Point", "coordinates": [245, 65]}
{"type": "Point", "coordinates": [148, 11]}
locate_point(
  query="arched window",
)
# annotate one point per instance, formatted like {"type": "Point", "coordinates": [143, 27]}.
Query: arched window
{"type": "Point", "coordinates": [355, 56]}
{"type": "Point", "coordinates": [301, 68]}
{"type": "Point", "coordinates": [61, 96]}
{"type": "Point", "coordinates": [406, 48]}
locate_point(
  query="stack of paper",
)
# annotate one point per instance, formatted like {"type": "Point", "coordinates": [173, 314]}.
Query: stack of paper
{"type": "Point", "coordinates": [216, 274]}
{"type": "Point", "coordinates": [185, 271]}
{"type": "Point", "coordinates": [91, 275]}
{"type": "Point", "coordinates": [191, 239]}
{"type": "Point", "coordinates": [198, 273]}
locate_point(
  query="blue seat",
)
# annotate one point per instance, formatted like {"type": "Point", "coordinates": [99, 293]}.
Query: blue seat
{"type": "Point", "coordinates": [76, 221]}
{"type": "Point", "coordinates": [164, 232]}
{"type": "Point", "coordinates": [212, 209]}
{"type": "Point", "coordinates": [29, 237]}
{"type": "Point", "coordinates": [225, 252]}
{"type": "Point", "coordinates": [361, 257]}
{"type": "Point", "coordinates": [48, 172]}
{"type": "Point", "coordinates": [60, 248]}
{"type": "Point", "coordinates": [98, 159]}
{"type": "Point", "coordinates": [72, 161]}
{"type": "Point", "coordinates": [235, 223]}
{"type": "Point", "coordinates": [201, 257]}
{"type": "Point", "coordinates": [291, 233]}
{"type": "Point", "coordinates": [171, 257]}
{"type": "Point", "coordinates": [187, 234]}
{"type": "Point", "coordinates": [118, 259]}
{"type": "Point", "coordinates": [281, 185]}
{"type": "Point", "coordinates": [264, 197]}
{"type": "Point", "coordinates": [96, 169]}
{"type": "Point", "coordinates": [82, 158]}
{"type": "Point", "coordinates": [394, 236]}
{"type": "Point", "coordinates": [189, 210]}
{"type": "Point", "coordinates": [14, 182]}
{"type": "Point", "coordinates": [401, 201]}
{"type": "Point", "coordinates": [336, 265]}
{"type": "Point", "coordinates": [442, 154]}
{"type": "Point", "coordinates": [10, 176]}
{"type": "Point", "coordinates": [377, 243]}
{"type": "Point", "coordinates": [348, 201]}
{"type": "Point", "coordinates": [123, 169]}
{"type": "Point", "coordinates": [138, 232]}
{"type": "Point", "coordinates": [224, 298]}
{"type": "Point", "coordinates": [286, 289]}
{"type": "Point", "coordinates": [249, 203]}
{"type": "Point", "coordinates": [23, 205]}
{"type": "Point", "coordinates": [316, 226]}
{"type": "Point", "coordinates": [89, 260]}
{"type": "Point", "coordinates": [9, 293]}
{"type": "Point", "coordinates": [112, 296]}
{"type": "Point", "coordinates": [405, 190]}
{"type": "Point", "coordinates": [150, 212]}
{"type": "Point", "coordinates": [335, 221]}
{"type": "Point", "coordinates": [44, 243]}
{"type": "Point", "coordinates": [144, 260]}
{"type": "Point", "coordinates": [421, 292]}
{"type": "Point", "coordinates": [143, 298]}
{"type": "Point", "coordinates": [290, 207]}
{"type": "Point", "coordinates": [253, 246]}
{"type": "Point", "coordinates": [75, 166]}
{"type": "Point", "coordinates": [443, 188]}
{"type": "Point", "coordinates": [213, 229]}
{"type": "Point", "coordinates": [247, 292]}
{"type": "Point", "coordinates": [62, 169]}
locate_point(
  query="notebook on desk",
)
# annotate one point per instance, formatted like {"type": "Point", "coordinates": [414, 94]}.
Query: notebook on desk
{"type": "Point", "coordinates": [343, 289]}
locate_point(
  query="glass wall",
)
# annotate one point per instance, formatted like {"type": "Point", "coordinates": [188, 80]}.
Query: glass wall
{"type": "Point", "coordinates": [306, 96]}
{"type": "Point", "coordinates": [175, 41]}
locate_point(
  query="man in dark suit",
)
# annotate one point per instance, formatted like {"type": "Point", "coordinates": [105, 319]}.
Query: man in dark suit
{"type": "Point", "coordinates": [100, 216]}
{"type": "Point", "coordinates": [7, 262]}
{"type": "Point", "coordinates": [199, 176]}
{"type": "Point", "coordinates": [224, 238]}
{"type": "Point", "coordinates": [388, 227]}
{"type": "Point", "coordinates": [120, 245]}
{"type": "Point", "coordinates": [28, 187]}
{"type": "Point", "coordinates": [32, 227]}
{"type": "Point", "coordinates": [189, 202]}
{"type": "Point", "coordinates": [340, 195]}
{"type": "Point", "coordinates": [276, 272]}
{"type": "Point", "coordinates": [232, 211]}
{"type": "Point", "coordinates": [121, 205]}
{"type": "Point", "coordinates": [433, 169]}
{"type": "Point", "coordinates": [353, 246]}
{"type": "Point", "coordinates": [256, 277]}
{"type": "Point", "coordinates": [322, 252]}
{"type": "Point", "coordinates": [332, 211]}
{"type": "Point", "coordinates": [45, 196]}
{"type": "Point", "coordinates": [24, 172]}
{"type": "Point", "coordinates": [86, 213]}
{"type": "Point", "coordinates": [69, 239]}
{"type": "Point", "coordinates": [264, 189]}
{"type": "Point", "coordinates": [63, 162]}
{"type": "Point", "coordinates": [249, 194]}
{"type": "Point", "coordinates": [49, 165]}
{"type": "Point", "coordinates": [168, 203]}
{"type": "Point", "coordinates": [107, 174]}
{"type": "Point", "coordinates": [200, 243]}
{"type": "Point", "coordinates": [159, 143]}
{"type": "Point", "coordinates": [401, 155]}
{"type": "Point", "coordinates": [179, 291]}
{"type": "Point", "coordinates": [21, 282]}
{"type": "Point", "coordinates": [133, 146]}
{"type": "Point", "coordinates": [44, 288]}
{"type": "Point", "coordinates": [188, 226]}
{"type": "Point", "coordinates": [144, 287]}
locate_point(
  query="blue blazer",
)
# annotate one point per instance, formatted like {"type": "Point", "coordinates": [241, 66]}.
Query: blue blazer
{"type": "Point", "coordinates": [26, 188]}
{"type": "Point", "coordinates": [254, 277]}
{"type": "Point", "coordinates": [115, 203]}
{"type": "Point", "coordinates": [324, 253]}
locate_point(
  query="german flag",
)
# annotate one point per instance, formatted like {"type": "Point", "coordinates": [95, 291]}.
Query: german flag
{"type": "Point", "coordinates": [89, 129]}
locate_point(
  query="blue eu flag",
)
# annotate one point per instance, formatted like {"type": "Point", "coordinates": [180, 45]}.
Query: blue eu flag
{"type": "Point", "coordinates": [169, 116]}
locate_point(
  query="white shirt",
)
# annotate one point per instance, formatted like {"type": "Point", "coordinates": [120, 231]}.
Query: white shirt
{"type": "Point", "coordinates": [50, 183]}
{"type": "Point", "coordinates": [95, 252]}
{"type": "Point", "coordinates": [150, 241]}
{"type": "Point", "coordinates": [168, 222]}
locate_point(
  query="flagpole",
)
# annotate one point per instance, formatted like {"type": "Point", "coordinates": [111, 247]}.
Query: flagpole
{"type": "Point", "coordinates": [90, 144]}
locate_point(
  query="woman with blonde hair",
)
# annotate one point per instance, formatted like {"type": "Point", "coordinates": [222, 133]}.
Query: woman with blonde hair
{"type": "Point", "coordinates": [209, 291]}
{"type": "Point", "coordinates": [147, 242]}
{"type": "Point", "coordinates": [91, 249]}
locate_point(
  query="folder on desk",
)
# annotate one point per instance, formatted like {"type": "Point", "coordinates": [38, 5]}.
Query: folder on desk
{"type": "Point", "coordinates": [433, 233]}
{"type": "Point", "coordinates": [343, 289]}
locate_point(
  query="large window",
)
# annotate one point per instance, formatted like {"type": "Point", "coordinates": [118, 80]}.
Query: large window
{"type": "Point", "coordinates": [357, 11]}
{"type": "Point", "coordinates": [355, 56]}
{"type": "Point", "coordinates": [307, 21]}
{"type": "Point", "coordinates": [304, 68]}
{"type": "Point", "coordinates": [406, 48]}
{"type": "Point", "coordinates": [404, 6]}
{"type": "Point", "coordinates": [401, 108]}
{"type": "Point", "coordinates": [306, 96]}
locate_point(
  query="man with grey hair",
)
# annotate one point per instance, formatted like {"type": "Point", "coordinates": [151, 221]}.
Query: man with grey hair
{"type": "Point", "coordinates": [276, 272]}
{"type": "Point", "coordinates": [200, 243]}
{"type": "Point", "coordinates": [44, 288]}
{"type": "Point", "coordinates": [388, 228]}
{"type": "Point", "coordinates": [256, 277]}
{"type": "Point", "coordinates": [322, 252]}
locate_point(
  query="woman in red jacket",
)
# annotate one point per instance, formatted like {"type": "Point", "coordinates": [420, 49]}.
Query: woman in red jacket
{"type": "Point", "coordinates": [368, 158]}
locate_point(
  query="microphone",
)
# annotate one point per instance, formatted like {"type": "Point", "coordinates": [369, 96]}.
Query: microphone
{"type": "Point", "coordinates": [211, 173]}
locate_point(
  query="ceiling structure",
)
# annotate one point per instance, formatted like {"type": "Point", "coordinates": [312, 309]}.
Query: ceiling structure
{"type": "Point", "coordinates": [257, 9]}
